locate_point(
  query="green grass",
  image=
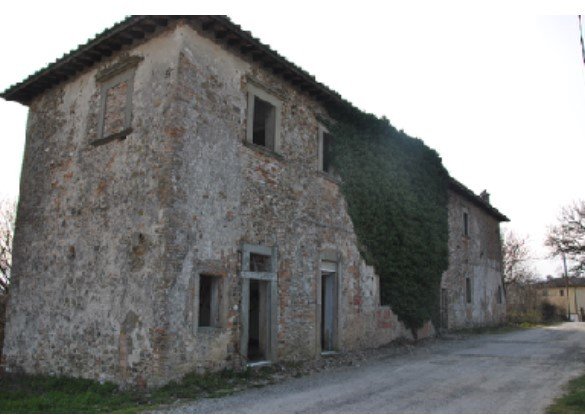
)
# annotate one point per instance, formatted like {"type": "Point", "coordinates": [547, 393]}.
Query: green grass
{"type": "Point", "coordinates": [573, 401]}
{"type": "Point", "coordinates": [50, 394]}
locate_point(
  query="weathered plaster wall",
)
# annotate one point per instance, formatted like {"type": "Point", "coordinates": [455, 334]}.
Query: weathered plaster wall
{"type": "Point", "coordinates": [90, 247]}
{"type": "Point", "coordinates": [230, 193]}
{"type": "Point", "coordinates": [478, 257]}
{"type": "Point", "coordinates": [111, 239]}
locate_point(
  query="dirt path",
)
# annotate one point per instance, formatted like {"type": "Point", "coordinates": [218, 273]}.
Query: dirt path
{"type": "Point", "coordinates": [518, 372]}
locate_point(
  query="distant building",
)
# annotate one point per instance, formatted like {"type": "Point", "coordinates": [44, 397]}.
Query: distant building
{"type": "Point", "coordinates": [566, 294]}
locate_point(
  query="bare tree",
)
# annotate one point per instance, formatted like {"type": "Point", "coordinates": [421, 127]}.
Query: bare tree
{"type": "Point", "coordinates": [7, 218]}
{"type": "Point", "coordinates": [516, 257]}
{"type": "Point", "coordinates": [567, 238]}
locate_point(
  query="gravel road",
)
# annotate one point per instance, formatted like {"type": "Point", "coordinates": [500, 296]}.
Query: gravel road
{"type": "Point", "coordinates": [517, 372]}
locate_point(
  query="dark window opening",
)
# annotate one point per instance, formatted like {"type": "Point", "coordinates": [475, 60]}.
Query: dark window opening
{"type": "Point", "coordinates": [263, 129]}
{"type": "Point", "coordinates": [468, 290]}
{"type": "Point", "coordinates": [260, 263]}
{"type": "Point", "coordinates": [562, 293]}
{"type": "Point", "coordinates": [208, 301]}
{"type": "Point", "coordinates": [499, 294]}
{"type": "Point", "coordinates": [465, 224]}
{"type": "Point", "coordinates": [327, 152]}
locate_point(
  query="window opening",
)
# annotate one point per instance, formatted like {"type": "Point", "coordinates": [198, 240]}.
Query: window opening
{"type": "Point", "coordinates": [260, 263]}
{"type": "Point", "coordinates": [465, 224]}
{"type": "Point", "coordinates": [499, 294]}
{"type": "Point", "coordinates": [208, 301]}
{"type": "Point", "coordinates": [264, 126]}
{"type": "Point", "coordinates": [468, 290]}
{"type": "Point", "coordinates": [327, 142]}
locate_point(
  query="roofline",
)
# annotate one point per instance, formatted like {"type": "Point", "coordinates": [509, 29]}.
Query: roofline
{"type": "Point", "coordinates": [464, 191]}
{"type": "Point", "coordinates": [135, 29]}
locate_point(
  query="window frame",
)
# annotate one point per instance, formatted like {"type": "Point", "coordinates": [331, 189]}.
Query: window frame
{"type": "Point", "coordinates": [127, 75]}
{"type": "Point", "coordinates": [260, 93]}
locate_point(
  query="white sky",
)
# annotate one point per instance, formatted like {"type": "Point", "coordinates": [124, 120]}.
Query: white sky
{"type": "Point", "coordinates": [498, 90]}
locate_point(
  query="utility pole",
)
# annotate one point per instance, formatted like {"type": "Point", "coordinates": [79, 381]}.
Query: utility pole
{"type": "Point", "coordinates": [567, 287]}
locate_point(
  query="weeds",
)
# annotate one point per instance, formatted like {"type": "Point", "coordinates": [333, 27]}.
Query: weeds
{"type": "Point", "coordinates": [50, 394]}
{"type": "Point", "coordinates": [573, 401]}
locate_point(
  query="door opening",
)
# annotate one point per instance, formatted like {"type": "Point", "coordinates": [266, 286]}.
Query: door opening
{"type": "Point", "coordinates": [327, 310]}
{"type": "Point", "coordinates": [258, 321]}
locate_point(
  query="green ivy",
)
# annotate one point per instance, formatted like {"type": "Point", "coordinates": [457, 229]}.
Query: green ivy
{"type": "Point", "coordinates": [396, 191]}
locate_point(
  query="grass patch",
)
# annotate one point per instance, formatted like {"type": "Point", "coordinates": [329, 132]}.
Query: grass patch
{"type": "Point", "coordinates": [51, 394]}
{"type": "Point", "coordinates": [573, 401]}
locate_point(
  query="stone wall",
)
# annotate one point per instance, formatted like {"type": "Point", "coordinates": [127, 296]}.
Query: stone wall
{"type": "Point", "coordinates": [111, 238]}
{"type": "Point", "coordinates": [476, 256]}
{"type": "Point", "coordinates": [88, 289]}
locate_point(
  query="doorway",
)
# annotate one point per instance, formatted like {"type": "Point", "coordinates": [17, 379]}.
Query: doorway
{"type": "Point", "coordinates": [259, 321]}
{"type": "Point", "coordinates": [328, 306]}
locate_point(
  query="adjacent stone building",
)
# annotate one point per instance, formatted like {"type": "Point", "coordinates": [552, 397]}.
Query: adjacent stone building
{"type": "Point", "coordinates": [472, 292]}
{"type": "Point", "coordinates": [178, 212]}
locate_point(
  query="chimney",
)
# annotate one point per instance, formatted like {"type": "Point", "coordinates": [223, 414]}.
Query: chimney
{"type": "Point", "coordinates": [485, 196]}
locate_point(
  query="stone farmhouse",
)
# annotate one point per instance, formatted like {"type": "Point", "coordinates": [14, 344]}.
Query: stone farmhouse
{"type": "Point", "coordinates": [177, 212]}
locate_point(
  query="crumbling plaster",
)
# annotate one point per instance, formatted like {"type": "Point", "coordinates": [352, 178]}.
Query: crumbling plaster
{"type": "Point", "coordinates": [111, 238]}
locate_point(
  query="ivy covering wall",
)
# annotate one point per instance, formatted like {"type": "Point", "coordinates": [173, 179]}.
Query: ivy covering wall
{"type": "Point", "coordinates": [396, 191]}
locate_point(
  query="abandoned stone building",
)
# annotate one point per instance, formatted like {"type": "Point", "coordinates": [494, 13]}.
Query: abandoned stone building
{"type": "Point", "coordinates": [177, 212]}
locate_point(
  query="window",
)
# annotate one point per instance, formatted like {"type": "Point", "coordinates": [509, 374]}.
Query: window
{"type": "Point", "coordinates": [499, 294]}
{"type": "Point", "coordinates": [562, 293]}
{"type": "Point", "coordinates": [117, 87]}
{"type": "Point", "coordinates": [260, 263]}
{"type": "Point", "coordinates": [325, 150]}
{"type": "Point", "coordinates": [468, 290]}
{"type": "Point", "coordinates": [208, 301]}
{"type": "Point", "coordinates": [263, 127]}
{"type": "Point", "coordinates": [465, 224]}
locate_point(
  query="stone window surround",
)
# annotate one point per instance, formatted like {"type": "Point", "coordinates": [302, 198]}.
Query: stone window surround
{"type": "Point", "coordinates": [272, 279]}
{"type": "Point", "coordinates": [255, 89]}
{"type": "Point", "coordinates": [123, 71]}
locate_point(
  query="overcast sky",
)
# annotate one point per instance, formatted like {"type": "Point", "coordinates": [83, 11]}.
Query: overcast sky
{"type": "Point", "coordinates": [498, 88]}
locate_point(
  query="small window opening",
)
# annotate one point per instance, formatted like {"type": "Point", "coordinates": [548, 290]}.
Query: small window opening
{"type": "Point", "coordinates": [465, 224]}
{"type": "Point", "coordinates": [562, 293]}
{"type": "Point", "coordinates": [264, 123]}
{"type": "Point", "coordinates": [468, 290]}
{"type": "Point", "coordinates": [327, 152]}
{"type": "Point", "coordinates": [499, 294]}
{"type": "Point", "coordinates": [260, 263]}
{"type": "Point", "coordinates": [208, 301]}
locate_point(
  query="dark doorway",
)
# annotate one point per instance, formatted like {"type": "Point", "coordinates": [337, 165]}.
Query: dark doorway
{"type": "Point", "coordinates": [258, 321]}
{"type": "Point", "coordinates": [327, 310]}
